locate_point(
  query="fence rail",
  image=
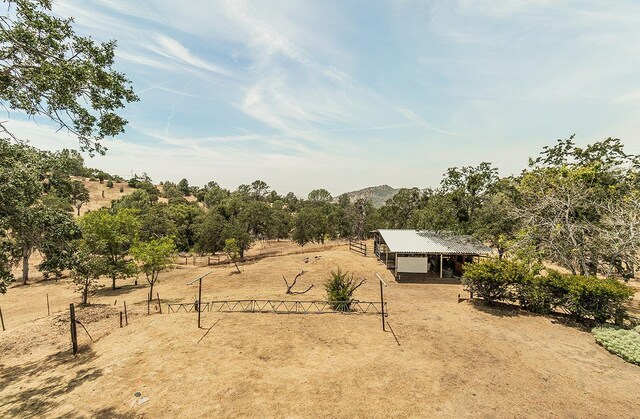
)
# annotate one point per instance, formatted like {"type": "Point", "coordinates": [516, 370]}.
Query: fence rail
{"type": "Point", "coordinates": [198, 260]}
{"type": "Point", "coordinates": [281, 306]}
{"type": "Point", "coordinates": [358, 247]}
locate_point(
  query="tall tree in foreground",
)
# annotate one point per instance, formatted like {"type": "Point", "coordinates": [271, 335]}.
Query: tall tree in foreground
{"type": "Point", "coordinates": [570, 202]}
{"type": "Point", "coordinates": [48, 70]}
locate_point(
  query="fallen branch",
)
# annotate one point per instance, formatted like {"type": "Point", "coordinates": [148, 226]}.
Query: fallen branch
{"type": "Point", "coordinates": [289, 287]}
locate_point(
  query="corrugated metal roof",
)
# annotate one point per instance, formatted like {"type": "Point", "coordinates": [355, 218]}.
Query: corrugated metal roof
{"type": "Point", "coordinates": [422, 241]}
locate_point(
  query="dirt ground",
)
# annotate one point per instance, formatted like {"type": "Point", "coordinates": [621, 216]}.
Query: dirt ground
{"type": "Point", "coordinates": [454, 359]}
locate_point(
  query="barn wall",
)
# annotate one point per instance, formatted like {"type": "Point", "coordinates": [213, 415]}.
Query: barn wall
{"type": "Point", "coordinates": [413, 264]}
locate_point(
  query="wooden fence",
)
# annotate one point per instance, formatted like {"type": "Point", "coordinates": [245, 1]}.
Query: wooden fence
{"type": "Point", "coordinates": [198, 260]}
{"type": "Point", "coordinates": [358, 247]}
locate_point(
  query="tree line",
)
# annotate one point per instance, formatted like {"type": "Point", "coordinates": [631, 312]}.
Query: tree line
{"type": "Point", "coordinates": [577, 207]}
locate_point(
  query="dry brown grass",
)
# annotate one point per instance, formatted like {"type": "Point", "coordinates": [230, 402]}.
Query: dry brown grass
{"type": "Point", "coordinates": [455, 360]}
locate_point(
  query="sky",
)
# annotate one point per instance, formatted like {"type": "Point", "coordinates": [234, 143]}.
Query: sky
{"type": "Point", "coordinates": [348, 94]}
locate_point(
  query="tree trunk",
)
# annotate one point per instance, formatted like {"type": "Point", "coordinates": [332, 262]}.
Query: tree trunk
{"type": "Point", "coordinates": [25, 264]}
{"type": "Point", "coordinates": [85, 294]}
{"type": "Point", "coordinates": [113, 283]}
{"type": "Point", "coordinates": [78, 207]}
{"type": "Point", "coordinates": [151, 291]}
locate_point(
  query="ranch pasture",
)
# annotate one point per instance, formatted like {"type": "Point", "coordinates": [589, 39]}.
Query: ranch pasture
{"type": "Point", "coordinates": [454, 359]}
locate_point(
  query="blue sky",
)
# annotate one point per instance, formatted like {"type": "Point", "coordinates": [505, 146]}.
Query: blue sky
{"type": "Point", "coordinates": [349, 94]}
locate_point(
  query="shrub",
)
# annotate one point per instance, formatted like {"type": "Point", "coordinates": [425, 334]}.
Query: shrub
{"type": "Point", "coordinates": [121, 189]}
{"type": "Point", "coordinates": [109, 183]}
{"type": "Point", "coordinates": [600, 299]}
{"type": "Point", "coordinates": [622, 342]}
{"type": "Point", "coordinates": [542, 294]}
{"type": "Point", "coordinates": [340, 288]}
{"type": "Point", "coordinates": [494, 279]}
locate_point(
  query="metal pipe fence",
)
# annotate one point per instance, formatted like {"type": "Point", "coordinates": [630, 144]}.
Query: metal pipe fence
{"type": "Point", "coordinates": [281, 307]}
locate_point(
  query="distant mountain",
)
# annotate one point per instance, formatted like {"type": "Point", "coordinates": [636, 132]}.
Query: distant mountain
{"type": "Point", "coordinates": [376, 194]}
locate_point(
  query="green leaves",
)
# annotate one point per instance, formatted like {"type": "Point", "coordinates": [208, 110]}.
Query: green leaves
{"type": "Point", "coordinates": [46, 69]}
{"type": "Point", "coordinates": [584, 297]}
{"type": "Point", "coordinates": [340, 288]}
{"type": "Point", "coordinates": [110, 237]}
{"type": "Point", "coordinates": [154, 256]}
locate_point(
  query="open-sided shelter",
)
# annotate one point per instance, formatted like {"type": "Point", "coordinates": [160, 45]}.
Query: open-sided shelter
{"type": "Point", "coordinates": [410, 253]}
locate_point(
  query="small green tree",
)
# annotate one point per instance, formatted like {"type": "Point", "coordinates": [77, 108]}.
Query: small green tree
{"type": "Point", "coordinates": [85, 272]}
{"type": "Point", "coordinates": [340, 288]}
{"type": "Point", "coordinates": [154, 257]}
{"type": "Point", "coordinates": [110, 236]}
{"type": "Point", "coordinates": [109, 183]}
{"type": "Point", "coordinates": [79, 195]}
{"type": "Point", "coordinates": [233, 251]}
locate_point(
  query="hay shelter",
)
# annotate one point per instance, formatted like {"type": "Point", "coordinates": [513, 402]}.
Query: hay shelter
{"type": "Point", "coordinates": [421, 254]}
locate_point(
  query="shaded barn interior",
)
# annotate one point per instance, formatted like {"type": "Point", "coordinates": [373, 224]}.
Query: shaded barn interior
{"type": "Point", "coordinates": [421, 254]}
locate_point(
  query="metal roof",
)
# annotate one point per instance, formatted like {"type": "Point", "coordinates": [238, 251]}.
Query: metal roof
{"type": "Point", "coordinates": [423, 241]}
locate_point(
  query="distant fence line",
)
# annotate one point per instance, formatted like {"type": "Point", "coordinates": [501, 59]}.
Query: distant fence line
{"type": "Point", "coordinates": [198, 260]}
{"type": "Point", "coordinates": [281, 307]}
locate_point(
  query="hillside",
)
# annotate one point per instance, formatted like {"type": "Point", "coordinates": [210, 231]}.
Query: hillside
{"type": "Point", "coordinates": [376, 194]}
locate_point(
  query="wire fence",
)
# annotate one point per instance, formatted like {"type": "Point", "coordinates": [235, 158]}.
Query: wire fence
{"type": "Point", "coordinates": [281, 306]}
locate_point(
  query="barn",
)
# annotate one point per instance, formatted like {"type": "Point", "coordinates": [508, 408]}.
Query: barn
{"type": "Point", "coordinates": [421, 254]}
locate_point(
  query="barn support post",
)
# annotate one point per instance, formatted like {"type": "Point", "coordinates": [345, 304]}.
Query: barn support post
{"type": "Point", "coordinates": [441, 259]}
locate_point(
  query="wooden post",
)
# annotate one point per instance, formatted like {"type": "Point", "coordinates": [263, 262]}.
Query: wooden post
{"type": "Point", "coordinates": [74, 337]}
{"type": "Point", "coordinates": [148, 302]}
{"type": "Point", "coordinates": [440, 266]}
{"type": "Point", "coordinates": [382, 305]}
{"type": "Point", "coordinates": [382, 299]}
{"type": "Point", "coordinates": [2, 320]}
{"type": "Point", "coordinates": [159, 305]}
{"type": "Point", "coordinates": [199, 300]}
{"type": "Point", "coordinates": [194, 260]}
{"type": "Point", "coordinates": [126, 318]}
{"type": "Point", "coordinates": [121, 319]}
{"type": "Point", "coordinates": [48, 309]}
{"type": "Point", "coordinates": [185, 260]}
{"type": "Point", "coordinates": [208, 260]}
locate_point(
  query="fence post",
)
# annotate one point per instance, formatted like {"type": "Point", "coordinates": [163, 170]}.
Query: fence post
{"type": "Point", "coordinates": [2, 320]}
{"type": "Point", "coordinates": [74, 337]}
{"type": "Point", "coordinates": [199, 300]}
{"type": "Point", "coordinates": [121, 319]}
{"type": "Point", "coordinates": [48, 309]}
{"type": "Point", "coordinates": [126, 317]}
{"type": "Point", "coordinates": [159, 305]}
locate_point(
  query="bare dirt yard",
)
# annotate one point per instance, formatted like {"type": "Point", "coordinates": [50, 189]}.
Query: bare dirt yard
{"type": "Point", "coordinates": [454, 359]}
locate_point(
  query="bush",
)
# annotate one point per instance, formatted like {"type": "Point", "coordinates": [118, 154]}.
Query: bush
{"type": "Point", "coordinates": [600, 299]}
{"type": "Point", "coordinates": [109, 183]}
{"type": "Point", "coordinates": [340, 288]}
{"type": "Point", "coordinates": [494, 279]}
{"type": "Point", "coordinates": [121, 189]}
{"type": "Point", "coordinates": [622, 342]}
{"type": "Point", "coordinates": [542, 294]}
